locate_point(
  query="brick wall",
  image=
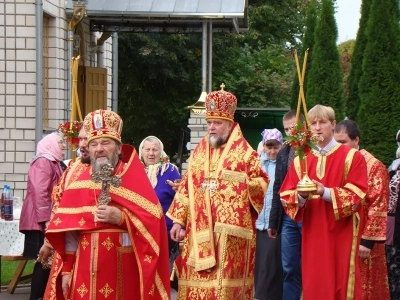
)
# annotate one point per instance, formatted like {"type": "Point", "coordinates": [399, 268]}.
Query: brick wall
{"type": "Point", "coordinates": [18, 82]}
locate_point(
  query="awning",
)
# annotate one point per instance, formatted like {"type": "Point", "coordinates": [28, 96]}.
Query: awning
{"type": "Point", "coordinates": [169, 16]}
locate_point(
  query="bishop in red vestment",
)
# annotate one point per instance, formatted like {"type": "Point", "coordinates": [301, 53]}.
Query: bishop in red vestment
{"type": "Point", "coordinates": [217, 202]}
{"type": "Point", "coordinates": [115, 250]}
{"type": "Point", "coordinates": [331, 216]}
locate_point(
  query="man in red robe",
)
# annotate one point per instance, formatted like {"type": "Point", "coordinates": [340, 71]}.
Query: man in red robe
{"type": "Point", "coordinates": [372, 255]}
{"type": "Point", "coordinates": [109, 250]}
{"type": "Point", "coordinates": [331, 215]}
{"type": "Point", "coordinates": [218, 201]}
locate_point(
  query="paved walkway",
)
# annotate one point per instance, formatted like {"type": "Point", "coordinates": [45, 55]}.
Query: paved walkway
{"type": "Point", "coordinates": [22, 293]}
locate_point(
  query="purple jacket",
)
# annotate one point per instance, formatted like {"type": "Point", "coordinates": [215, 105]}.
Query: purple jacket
{"type": "Point", "coordinates": [43, 175]}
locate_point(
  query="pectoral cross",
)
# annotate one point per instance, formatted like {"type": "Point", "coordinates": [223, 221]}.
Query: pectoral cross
{"type": "Point", "coordinates": [104, 176]}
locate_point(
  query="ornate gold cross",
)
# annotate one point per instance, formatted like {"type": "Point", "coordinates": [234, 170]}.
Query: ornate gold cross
{"type": "Point", "coordinates": [222, 86]}
{"type": "Point", "coordinates": [104, 176]}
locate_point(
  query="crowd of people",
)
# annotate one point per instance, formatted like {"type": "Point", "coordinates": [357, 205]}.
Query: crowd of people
{"type": "Point", "coordinates": [110, 226]}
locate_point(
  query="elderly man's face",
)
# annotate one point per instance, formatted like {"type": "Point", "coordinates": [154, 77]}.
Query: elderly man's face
{"type": "Point", "coordinates": [103, 151]}
{"type": "Point", "coordinates": [218, 131]}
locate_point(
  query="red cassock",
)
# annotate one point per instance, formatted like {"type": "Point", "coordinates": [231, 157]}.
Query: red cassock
{"type": "Point", "coordinates": [124, 261]}
{"type": "Point", "coordinates": [331, 230]}
{"type": "Point", "coordinates": [374, 277]}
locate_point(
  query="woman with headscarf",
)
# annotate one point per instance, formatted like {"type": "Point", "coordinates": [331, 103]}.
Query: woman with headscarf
{"type": "Point", "coordinates": [44, 172]}
{"type": "Point", "coordinates": [160, 171]}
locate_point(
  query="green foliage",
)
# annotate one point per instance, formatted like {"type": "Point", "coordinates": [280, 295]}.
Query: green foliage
{"type": "Point", "coordinates": [324, 85]}
{"type": "Point", "coordinates": [353, 99]}
{"type": "Point", "coordinates": [308, 43]}
{"type": "Point", "coordinates": [149, 65]}
{"type": "Point", "coordinates": [345, 54]}
{"type": "Point", "coordinates": [160, 75]}
{"type": "Point", "coordinates": [379, 88]}
{"type": "Point", "coordinates": [258, 77]}
{"type": "Point", "coordinates": [277, 21]}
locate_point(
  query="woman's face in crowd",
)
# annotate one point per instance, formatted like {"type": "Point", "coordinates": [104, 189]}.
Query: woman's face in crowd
{"type": "Point", "coordinates": [151, 153]}
{"type": "Point", "coordinates": [62, 144]}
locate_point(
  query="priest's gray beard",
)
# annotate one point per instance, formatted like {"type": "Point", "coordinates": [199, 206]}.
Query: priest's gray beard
{"type": "Point", "coordinates": [113, 161]}
{"type": "Point", "coordinates": [218, 141]}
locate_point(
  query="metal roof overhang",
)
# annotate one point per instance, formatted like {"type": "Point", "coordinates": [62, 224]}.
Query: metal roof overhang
{"type": "Point", "coordinates": [167, 16]}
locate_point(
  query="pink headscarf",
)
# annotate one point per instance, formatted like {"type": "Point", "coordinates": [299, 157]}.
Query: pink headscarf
{"type": "Point", "coordinates": [49, 145]}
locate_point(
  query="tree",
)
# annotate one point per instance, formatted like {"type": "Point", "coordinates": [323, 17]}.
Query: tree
{"type": "Point", "coordinates": [353, 99]}
{"type": "Point", "coordinates": [325, 81]}
{"type": "Point", "coordinates": [308, 43]}
{"type": "Point", "coordinates": [346, 50]}
{"type": "Point", "coordinates": [379, 87]}
{"type": "Point", "coordinates": [160, 75]}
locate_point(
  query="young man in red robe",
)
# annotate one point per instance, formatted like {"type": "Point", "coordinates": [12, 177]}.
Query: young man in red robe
{"type": "Point", "coordinates": [372, 255]}
{"type": "Point", "coordinates": [114, 250]}
{"type": "Point", "coordinates": [331, 215]}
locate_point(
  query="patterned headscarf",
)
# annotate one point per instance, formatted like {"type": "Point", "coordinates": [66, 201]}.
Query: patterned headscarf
{"type": "Point", "coordinates": [271, 134]}
{"type": "Point", "coordinates": [153, 170]}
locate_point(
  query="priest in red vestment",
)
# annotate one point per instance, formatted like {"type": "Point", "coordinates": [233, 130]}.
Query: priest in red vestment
{"type": "Point", "coordinates": [108, 228]}
{"type": "Point", "coordinates": [218, 201]}
{"type": "Point", "coordinates": [331, 215]}
{"type": "Point", "coordinates": [372, 254]}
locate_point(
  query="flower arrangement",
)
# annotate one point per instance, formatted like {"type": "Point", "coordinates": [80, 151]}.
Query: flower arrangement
{"type": "Point", "coordinates": [302, 139]}
{"type": "Point", "coordinates": [71, 131]}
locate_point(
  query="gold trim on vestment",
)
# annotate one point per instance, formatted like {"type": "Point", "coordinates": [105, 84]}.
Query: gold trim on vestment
{"type": "Point", "coordinates": [233, 176]}
{"type": "Point", "coordinates": [120, 275]}
{"type": "Point", "coordinates": [285, 193]}
{"type": "Point", "coordinates": [297, 166]}
{"type": "Point", "coordinates": [143, 230]}
{"type": "Point", "coordinates": [352, 269]}
{"type": "Point", "coordinates": [161, 288]}
{"type": "Point", "coordinates": [377, 213]}
{"type": "Point", "coordinates": [379, 239]}
{"type": "Point", "coordinates": [104, 230]}
{"type": "Point", "coordinates": [233, 230]}
{"type": "Point", "coordinates": [347, 163]}
{"type": "Point", "coordinates": [334, 203]}
{"type": "Point", "coordinates": [355, 189]}
{"type": "Point", "coordinates": [154, 209]}
{"type": "Point", "coordinates": [95, 258]}
{"type": "Point", "coordinates": [138, 262]}
{"type": "Point", "coordinates": [215, 282]}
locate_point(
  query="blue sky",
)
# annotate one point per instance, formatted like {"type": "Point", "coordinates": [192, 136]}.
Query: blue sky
{"type": "Point", "coordinates": [347, 18]}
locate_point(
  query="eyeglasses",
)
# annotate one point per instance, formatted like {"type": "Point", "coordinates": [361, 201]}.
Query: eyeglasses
{"type": "Point", "coordinates": [61, 142]}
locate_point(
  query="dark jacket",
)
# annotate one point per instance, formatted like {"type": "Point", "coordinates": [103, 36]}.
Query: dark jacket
{"type": "Point", "coordinates": [282, 166]}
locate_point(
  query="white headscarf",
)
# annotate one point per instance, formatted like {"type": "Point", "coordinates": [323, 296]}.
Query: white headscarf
{"type": "Point", "coordinates": [153, 170]}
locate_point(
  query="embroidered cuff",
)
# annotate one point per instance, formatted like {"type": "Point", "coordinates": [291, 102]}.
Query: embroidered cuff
{"type": "Point", "coordinates": [69, 261]}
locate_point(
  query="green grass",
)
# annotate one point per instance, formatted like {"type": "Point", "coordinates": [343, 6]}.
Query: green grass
{"type": "Point", "coordinates": [8, 268]}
